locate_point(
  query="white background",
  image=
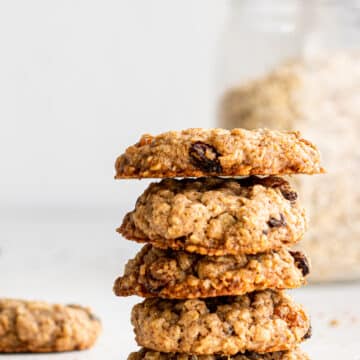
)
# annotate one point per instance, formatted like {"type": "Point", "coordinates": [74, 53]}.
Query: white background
{"type": "Point", "coordinates": [79, 81]}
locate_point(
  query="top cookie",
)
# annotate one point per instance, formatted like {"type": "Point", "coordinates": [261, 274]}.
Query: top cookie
{"type": "Point", "coordinates": [219, 152]}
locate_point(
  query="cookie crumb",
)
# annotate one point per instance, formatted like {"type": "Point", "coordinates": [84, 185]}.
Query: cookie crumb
{"type": "Point", "coordinates": [334, 323]}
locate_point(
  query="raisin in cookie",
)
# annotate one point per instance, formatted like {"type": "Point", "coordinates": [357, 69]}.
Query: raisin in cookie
{"type": "Point", "coordinates": [182, 275]}
{"type": "Point", "coordinates": [260, 322]}
{"type": "Point", "coordinates": [214, 152]}
{"type": "Point", "coordinates": [217, 216]}
{"type": "Point", "coordinates": [29, 326]}
{"type": "Point", "coordinates": [145, 354]}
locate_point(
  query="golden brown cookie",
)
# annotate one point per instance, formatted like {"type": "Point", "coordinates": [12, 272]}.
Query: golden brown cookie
{"type": "Point", "coordinates": [260, 322]}
{"type": "Point", "coordinates": [182, 275]}
{"type": "Point", "coordinates": [30, 326]}
{"type": "Point", "coordinates": [219, 152]}
{"type": "Point", "coordinates": [217, 216]}
{"type": "Point", "coordinates": [145, 354]}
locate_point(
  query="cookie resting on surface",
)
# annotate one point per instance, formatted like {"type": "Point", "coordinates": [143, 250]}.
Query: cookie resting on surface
{"type": "Point", "coordinates": [39, 327]}
{"type": "Point", "coordinates": [145, 354]}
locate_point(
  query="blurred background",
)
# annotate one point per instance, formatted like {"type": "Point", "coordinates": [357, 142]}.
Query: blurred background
{"type": "Point", "coordinates": [82, 80]}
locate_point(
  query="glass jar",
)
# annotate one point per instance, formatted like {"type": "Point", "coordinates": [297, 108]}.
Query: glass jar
{"type": "Point", "coordinates": [295, 65]}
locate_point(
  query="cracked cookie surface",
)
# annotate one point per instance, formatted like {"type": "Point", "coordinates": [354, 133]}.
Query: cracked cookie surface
{"type": "Point", "coordinates": [217, 216]}
{"type": "Point", "coordinates": [38, 327]}
{"type": "Point", "coordinates": [181, 275]}
{"type": "Point", "coordinates": [145, 354]}
{"type": "Point", "coordinates": [260, 322]}
{"type": "Point", "coordinates": [219, 152]}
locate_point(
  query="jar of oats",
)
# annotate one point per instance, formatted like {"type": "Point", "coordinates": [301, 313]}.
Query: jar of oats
{"type": "Point", "coordinates": [289, 64]}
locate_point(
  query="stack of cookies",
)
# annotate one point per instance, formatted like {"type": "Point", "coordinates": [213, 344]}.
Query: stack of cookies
{"type": "Point", "coordinates": [217, 229]}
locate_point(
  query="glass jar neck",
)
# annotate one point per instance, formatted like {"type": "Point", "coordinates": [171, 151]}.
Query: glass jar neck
{"type": "Point", "coordinates": [332, 25]}
{"type": "Point", "coordinates": [327, 24]}
{"type": "Point", "coordinates": [330, 13]}
{"type": "Point", "coordinates": [265, 15]}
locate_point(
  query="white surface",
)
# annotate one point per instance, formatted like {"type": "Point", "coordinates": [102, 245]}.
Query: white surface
{"type": "Point", "coordinates": [89, 255]}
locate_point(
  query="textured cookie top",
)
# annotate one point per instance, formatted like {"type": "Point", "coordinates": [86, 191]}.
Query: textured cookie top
{"type": "Point", "coordinates": [145, 354]}
{"type": "Point", "coordinates": [219, 152]}
{"type": "Point", "coordinates": [29, 326]}
{"type": "Point", "coordinates": [181, 275]}
{"type": "Point", "coordinates": [258, 322]}
{"type": "Point", "coordinates": [217, 216]}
